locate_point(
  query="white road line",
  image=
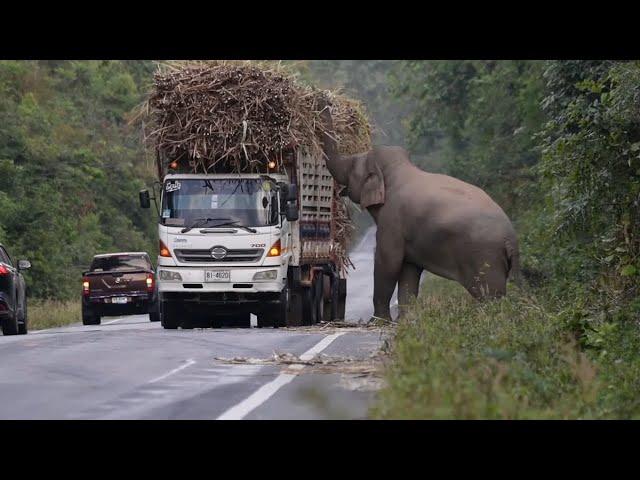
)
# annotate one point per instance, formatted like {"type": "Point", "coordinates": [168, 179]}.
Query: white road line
{"type": "Point", "coordinates": [257, 398]}
{"type": "Point", "coordinates": [175, 370]}
{"type": "Point", "coordinates": [112, 321]}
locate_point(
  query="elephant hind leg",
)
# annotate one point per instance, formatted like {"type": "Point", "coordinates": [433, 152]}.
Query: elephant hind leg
{"type": "Point", "coordinates": [408, 286]}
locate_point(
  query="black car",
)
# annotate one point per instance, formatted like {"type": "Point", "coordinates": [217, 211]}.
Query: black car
{"type": "Point", "coordinates": [13, 295]}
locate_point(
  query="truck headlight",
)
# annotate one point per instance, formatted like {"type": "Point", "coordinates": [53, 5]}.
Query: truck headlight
{"type": "Point", "coordinates": [169, 276]}
{"type": "Point", "coordinates": [266, 275]}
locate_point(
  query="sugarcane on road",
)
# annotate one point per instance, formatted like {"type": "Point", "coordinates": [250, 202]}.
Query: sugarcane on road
{"type": "Point", "coordinates": [130, 368]}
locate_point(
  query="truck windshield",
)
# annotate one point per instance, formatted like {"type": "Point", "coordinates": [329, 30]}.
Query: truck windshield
{"type": "Point", "coordinates": [120, 262]}
{"type": "Point", "coordinates": [248, 202]}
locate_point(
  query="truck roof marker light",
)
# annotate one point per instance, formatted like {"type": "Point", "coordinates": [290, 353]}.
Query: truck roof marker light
{"type": "Point", "coordinates": [275, 249]}
{"type": "Point", "coordinates": [164, 251]}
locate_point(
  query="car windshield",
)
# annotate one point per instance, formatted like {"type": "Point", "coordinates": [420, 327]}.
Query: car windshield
{"type": "Point", "coordinates": [120, 262]}
{"type": "Point", "coordinates": [247, 202]}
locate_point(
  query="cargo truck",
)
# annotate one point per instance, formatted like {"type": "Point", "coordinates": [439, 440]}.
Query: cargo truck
{"type": "Point", "coordinates": [236, 244]}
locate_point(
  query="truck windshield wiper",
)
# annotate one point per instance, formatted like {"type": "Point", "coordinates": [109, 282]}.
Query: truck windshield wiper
{"type": "Point", "coordinates": [201, 222]}
{"type": "Point", "coordinates": [235, 224]}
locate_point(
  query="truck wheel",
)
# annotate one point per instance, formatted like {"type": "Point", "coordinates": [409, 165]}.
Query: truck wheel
{"type": "Point", "coordinates": [342, 297]}
{"type": "Point", "coordinates": [23, 327]}
{"type": "Point", "coordinates": [319, 297]}
{"type": "Point", "coordinates": [10, 325]}
{"type": "Point", "coordinates": [89, 317]}
{"type": "Point", "coordinates": [327, 296]}
{"type": "Point", "coordinates": [278, 315]}
{"type": "Point", "coordinates": [265, 320]}
{"type": "Point", "coordinates": [282, 310]}
{"type": "Point", "coordinates": [239, 321]}
{"type": "Point", "coordinates": [168, 316]}
{"type": "Point", "coordinates": [309, 308]}
{"type": "Point", "coordinates": [295, 315]}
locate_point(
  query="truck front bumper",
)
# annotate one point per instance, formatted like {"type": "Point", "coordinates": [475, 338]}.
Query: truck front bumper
{"type": "Point", "coordinates": [241, 294]}
{"type": "Point", "coordinates": [240, 281]}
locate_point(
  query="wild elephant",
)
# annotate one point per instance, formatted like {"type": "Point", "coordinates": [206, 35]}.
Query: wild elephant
{"type": "Point", "coordinates": [426, 222]}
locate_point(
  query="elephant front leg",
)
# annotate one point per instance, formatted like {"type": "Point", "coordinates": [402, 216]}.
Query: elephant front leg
{"type": "Point", "coordinates": [387, 266]}
{"type": "Point", "coordinates": [408, 286]}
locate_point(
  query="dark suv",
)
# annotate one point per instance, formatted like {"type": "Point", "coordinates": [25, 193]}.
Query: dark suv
{"type": "Point", "coordinates": [13, 295]}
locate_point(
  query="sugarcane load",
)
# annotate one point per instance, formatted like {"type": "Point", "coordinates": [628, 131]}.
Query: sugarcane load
{"type": "Point", "coordinates": [250, 219]}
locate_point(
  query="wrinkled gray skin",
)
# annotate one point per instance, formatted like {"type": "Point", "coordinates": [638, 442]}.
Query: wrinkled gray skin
{"type": "Point", "coordinates": [425, 222]}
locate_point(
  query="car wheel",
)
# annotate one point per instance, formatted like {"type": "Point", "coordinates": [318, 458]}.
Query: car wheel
{"type": "Point", "coordinates": [10, 325]}
{"type": "Point", "coordinates": [23, 326]}
{"type": "Point", "coordinates": [89, 317]}
{"type": "Point", "coordinates": [154, 312]}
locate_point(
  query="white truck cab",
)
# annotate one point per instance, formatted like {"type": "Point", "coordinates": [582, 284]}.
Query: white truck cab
{"type": "Point", "coordinates": [231, 245]}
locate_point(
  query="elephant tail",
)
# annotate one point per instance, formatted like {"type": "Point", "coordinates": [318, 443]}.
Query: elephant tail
{"type": "Point", "coordinates": [513, 261]}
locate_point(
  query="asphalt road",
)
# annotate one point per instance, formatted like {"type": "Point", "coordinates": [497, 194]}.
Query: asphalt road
{"type": "Point", "coordinates": [130, 368]}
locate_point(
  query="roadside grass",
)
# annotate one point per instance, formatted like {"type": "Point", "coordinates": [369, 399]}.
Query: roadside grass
{"type": "Point", "coordinates": [514, 358]}
{"type": "Point", "coordinates": [52, 313]}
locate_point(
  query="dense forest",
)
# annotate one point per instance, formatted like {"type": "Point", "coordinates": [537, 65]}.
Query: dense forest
{"type": "Point", "coordinates": [70, 167]}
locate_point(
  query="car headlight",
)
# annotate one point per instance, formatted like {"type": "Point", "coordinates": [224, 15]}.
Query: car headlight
{"type": "Point", "coordinates": [169, 276]}
{"type": "Point", "coordinates": [266, 275]}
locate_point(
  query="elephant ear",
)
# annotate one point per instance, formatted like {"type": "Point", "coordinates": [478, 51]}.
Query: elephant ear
{"type": "Point", "coordinates": [373, 187]}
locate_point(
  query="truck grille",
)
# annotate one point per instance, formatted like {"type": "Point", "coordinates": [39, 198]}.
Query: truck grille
{"type": "Point", "coordinates": [204, 256]}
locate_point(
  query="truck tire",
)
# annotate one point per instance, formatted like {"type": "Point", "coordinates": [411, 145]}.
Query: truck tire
{"type": "Point", "coordinates": [278, 315]}
{"type": "Point", "coordinates": [327, 296]}
{"type": "Point", "coordinates": [309, 309]}
{"type": "Point", "coordinates": [89, 317]}
{"type": "Point", "coordinates": [319, 297]}
{"type": "Point", "coordinates": [295, 315]}
{"type": "Point", "coordinates": [241, 320]}
{"type": "Point", "coordinates": [10, 325]}
{"type": "Point", "coordinates": [169, 316]}
{"type": "Point", "coordinates": [342, 297]}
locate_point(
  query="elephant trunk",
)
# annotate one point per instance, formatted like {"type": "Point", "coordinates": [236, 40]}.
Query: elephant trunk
{"type": "Point", "coordinates": [338, 165]}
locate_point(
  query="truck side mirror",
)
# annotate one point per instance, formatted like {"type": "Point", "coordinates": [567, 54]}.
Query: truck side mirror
{"type": "Point", "coordinates": [145, 201]}
{"type": "Point", "coordinates": [291, 212]}
{"type": "Point", "coordinates": [292, 192]}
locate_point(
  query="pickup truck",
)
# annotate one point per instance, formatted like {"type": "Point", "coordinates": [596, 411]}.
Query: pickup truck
{"type": "Point", "coordinates": [119, 284]}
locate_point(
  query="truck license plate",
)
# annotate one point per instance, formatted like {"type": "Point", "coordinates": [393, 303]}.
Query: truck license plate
{"type": "Point", "coordinates": [217, 275]}
{"type": "Point", "coordinates": [119, 300]}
